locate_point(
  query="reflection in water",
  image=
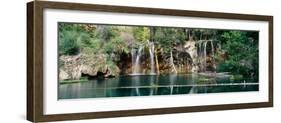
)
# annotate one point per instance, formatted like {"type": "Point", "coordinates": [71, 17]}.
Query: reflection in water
{"type": "Point", "coordinates": [136, 84]}
{"type": "Point", "coordinates": [172, 79]}
{"type": "Point", "coordinates": [147, 85]}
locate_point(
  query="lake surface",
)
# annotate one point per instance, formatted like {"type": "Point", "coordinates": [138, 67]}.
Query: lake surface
{"type": "Point", "coordinates": [148, 85]}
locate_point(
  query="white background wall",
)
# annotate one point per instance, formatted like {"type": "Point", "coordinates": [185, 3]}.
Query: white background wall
{"type": "Point", "coordinates": [13, 61]}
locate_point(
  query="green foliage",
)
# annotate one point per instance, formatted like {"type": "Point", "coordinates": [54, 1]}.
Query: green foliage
{"type": "Point", "coordinates": [116, 45]}
{"type": "Point", "coordinates": [104, 33]}
{"type": "Point", "coordinates": [167, 37]}
{"type": "Point", "coordinates": [242, 53]}
{"type": "Point", "coordinates": [68, 43]}
{"type": "Point", "coordinates": [71, 36]}
{"type": "Point", "coordinates": [141, 34]}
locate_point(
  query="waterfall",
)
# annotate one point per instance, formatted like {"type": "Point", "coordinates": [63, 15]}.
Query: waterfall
{"type": "Point", "coordinates": [172, 62]}
{"type": "Point", "coordinates": [213, 54]}
{"type": "Point", "coordinates": [202, 52]}
{"type": "Point", "coordinates": [205, 55]}
{"type": "Point", "coordinates": [136, 57]}
{"type": "Point", "coordinates": [136, 62]}
{"type": "Point", "coordinates": [133, 54]}
{"type": "Point", "coordinates": [151, 54]}
{"type": "Point", "coordinates": [201, 55]}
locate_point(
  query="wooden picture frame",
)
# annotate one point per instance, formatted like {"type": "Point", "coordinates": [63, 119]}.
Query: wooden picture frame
{"type": "Point", "coordinates": [35, 62]}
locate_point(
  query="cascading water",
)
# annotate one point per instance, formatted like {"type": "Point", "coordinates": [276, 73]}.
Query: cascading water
{"type": "Point", "coordinates": [133, 54]}
{"type": "Point", "coordinates": [151, 54]}
{"type": "Point", "coordinates": [213, 54]}
{"type": "Point", "coordinates": [136, 57]}
{"type": "Point", "coordinates": [205, 55]}
{"type": "Point", "coordinates": [136, 62]}
{"type": "Point", "coordinates": [202, 53]}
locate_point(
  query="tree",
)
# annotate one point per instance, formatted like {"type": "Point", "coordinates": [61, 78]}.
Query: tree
{"type": "Point", "coordinates": [167, 37]}
{"type": "Point", "coordinates": [242, 53]}
{"type": "Point", "coordinates": [141, 34]}
{"type": "Point", "coordinates": [71, 37]}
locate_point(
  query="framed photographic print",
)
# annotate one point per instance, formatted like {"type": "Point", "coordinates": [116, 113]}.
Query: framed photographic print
{"type": "Point", "coordinates": [95, 61]}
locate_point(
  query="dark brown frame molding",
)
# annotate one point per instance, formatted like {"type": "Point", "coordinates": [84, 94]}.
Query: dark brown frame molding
{"type": "Point", "coordinates": [35, 60]}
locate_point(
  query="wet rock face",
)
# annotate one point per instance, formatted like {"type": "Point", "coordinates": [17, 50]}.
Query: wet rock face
{"type": "Point", "coordinates": [190, 47]}
{"type": "Point", "coordinates": [73, 67]}
{"type": "Point", "coordinates": [202, 53]}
